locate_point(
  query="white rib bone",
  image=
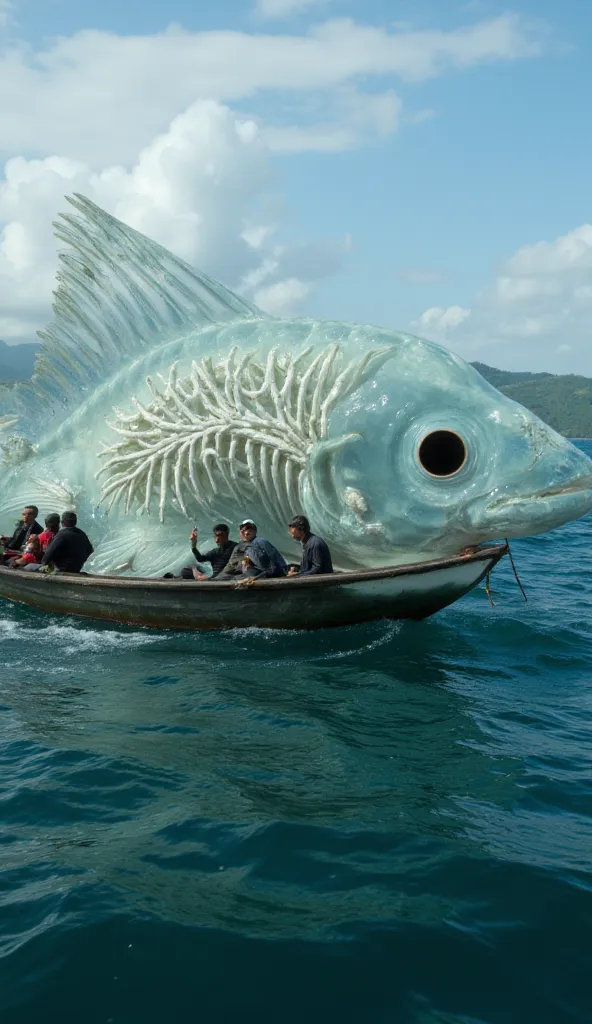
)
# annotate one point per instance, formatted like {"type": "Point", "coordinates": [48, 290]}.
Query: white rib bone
{"type": "Point", "coordinates": [233, 432]}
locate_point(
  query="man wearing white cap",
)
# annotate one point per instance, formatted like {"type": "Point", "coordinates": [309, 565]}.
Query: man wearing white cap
{"type": "Point", "coordinates": [263, 559]}
{"type": "Point", "coordinates": [234, 565]}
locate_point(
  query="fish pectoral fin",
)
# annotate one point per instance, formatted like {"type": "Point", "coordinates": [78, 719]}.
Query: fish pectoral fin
{"type": "Point", "coordinates": [30, 486]}
{"type": "Point", "coordinates": [140, 549]}
{"type": "Point", "coordinates": [322, 484]}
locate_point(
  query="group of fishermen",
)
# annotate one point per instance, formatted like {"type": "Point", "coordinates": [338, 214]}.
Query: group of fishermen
{"type": "Point", "coordinates": [63, 547]}
{"type": "Point", "coordinates": [254, 557]}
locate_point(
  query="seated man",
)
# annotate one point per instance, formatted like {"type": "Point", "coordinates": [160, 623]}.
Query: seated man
{"type": "Point", "coordinates": [28, 525]}
{"type": "Point", "coordinates": [217, 556]}
{"type": "Point", "coordinates": [316, 557]}
{"type": "Point", "coordinates": [235, 569]}
{"type": "Point", "coordinates": [263, 560]}
{"type": "Point", "coordinates": [71, 547]}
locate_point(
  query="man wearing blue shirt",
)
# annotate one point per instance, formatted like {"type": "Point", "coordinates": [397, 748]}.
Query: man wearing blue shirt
{"type": "Point", "coordinates": [316, 557]}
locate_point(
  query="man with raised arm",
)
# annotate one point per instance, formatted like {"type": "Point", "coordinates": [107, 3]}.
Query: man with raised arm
{"type": "Point", "coordinates": [217, 556]}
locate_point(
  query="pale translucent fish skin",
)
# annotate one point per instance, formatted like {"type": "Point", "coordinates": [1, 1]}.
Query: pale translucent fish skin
{"type": "Point", "coordinates": [260, 417]}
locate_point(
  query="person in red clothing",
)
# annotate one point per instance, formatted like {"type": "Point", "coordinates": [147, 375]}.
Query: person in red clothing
{"type": "Point", "coordinates": [32, 554]}
{"type": "Point", "coordinates": [52, 525]}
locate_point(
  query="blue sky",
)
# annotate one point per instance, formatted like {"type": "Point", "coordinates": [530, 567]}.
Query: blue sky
{"type": "Point", "coordinates": [484, 161]}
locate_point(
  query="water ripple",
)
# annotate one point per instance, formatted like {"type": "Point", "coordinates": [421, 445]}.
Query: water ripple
{"type": "Point", "coordinates": [390, 822]}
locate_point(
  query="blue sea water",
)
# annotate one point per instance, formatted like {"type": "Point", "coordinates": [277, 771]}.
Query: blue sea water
{"type": "Point", "coordinates": [385, 824]}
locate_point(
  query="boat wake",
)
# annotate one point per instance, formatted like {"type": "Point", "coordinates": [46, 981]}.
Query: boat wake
{"type": "Point", "coordinates": [329, 645]}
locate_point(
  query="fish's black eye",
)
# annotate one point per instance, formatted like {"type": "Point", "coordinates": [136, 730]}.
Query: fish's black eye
{"type": "Point", "coordinates": [442, 453]}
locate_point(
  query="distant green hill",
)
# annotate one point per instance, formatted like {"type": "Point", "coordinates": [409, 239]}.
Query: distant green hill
{"type": "Point", "coordinates": [564, 401]}
{"type": "Point", "coordinates": [17, 361]}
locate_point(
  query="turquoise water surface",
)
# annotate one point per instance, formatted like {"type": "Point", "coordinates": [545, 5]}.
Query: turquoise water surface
{"type": "Point", "coordinates": [386, 824]}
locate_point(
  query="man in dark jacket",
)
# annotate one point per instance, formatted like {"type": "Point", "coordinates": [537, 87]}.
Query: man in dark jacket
{"type": "Point", "coordinates": [70, 548]}
{"type": "Point", "coordinates": [316, 557]}
{"type": "Point", "coordinates": [263, 561]}
{"type": "Point", "coordinates": [27, 526]}
{"type": "Point", "coordinates": [217, 556]}
{"type": "Point", "coordinates": [235, 569]}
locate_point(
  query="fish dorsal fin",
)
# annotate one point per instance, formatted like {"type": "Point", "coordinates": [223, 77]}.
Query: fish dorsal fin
{"type": "Point", "coordinates": [118, 294]}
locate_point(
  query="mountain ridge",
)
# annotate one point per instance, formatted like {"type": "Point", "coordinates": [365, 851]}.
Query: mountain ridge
{"type": "Point", "coordinates": [563, 400]}
{"type": "Point", "coordinates": [17, 361]}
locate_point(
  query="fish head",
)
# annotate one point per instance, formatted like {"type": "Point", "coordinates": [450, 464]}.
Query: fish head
{"type": "Point", "coordinates": [426, 457]}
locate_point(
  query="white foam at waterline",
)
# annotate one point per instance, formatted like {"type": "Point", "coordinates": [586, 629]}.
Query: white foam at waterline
{"type": "Point", "coordinates": [74, 639]}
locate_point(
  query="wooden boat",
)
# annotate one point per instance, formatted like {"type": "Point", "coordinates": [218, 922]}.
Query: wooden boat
{"type": "Point", "coordinates": [315, 602]}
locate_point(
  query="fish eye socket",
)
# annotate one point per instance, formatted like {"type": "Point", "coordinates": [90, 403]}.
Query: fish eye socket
{"type": "Point", "coordinates": [442, 453]}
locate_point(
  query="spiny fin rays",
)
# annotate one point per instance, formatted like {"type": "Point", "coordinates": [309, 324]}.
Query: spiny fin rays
{"type": "Point", "coordinates": [118, 294]}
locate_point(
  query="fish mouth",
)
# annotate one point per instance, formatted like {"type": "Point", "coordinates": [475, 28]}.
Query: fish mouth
{"type": "Point", "coordinates": [515, 515]}
{"type": "Point", "coordinates": [581, 486]}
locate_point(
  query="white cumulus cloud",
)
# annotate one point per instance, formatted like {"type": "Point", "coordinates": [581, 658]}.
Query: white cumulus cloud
{"type": "Point", "coordinates": [282, 297]}
{"type": "Point", "coordinates": [146, 126]}
{"type": "Point", "coordinates": [535, 313]}
{"type": "Point", "coordinates": [195, 189]}
{"type": "Point", "coordinates": [100, 97]}
{"type": "Point", "coordinates": [438, 320]}
{"type": "Point", "coordinates": [354, 118]}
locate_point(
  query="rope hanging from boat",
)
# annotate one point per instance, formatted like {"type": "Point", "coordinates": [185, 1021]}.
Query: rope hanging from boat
{"type": "Point", "coordinates": [515, 572]}
{"type": "Point", "coordinates": [488, 577]}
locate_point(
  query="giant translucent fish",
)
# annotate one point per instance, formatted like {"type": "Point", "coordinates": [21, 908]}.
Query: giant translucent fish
{"type": "Point", "coordinates": [161, 399]}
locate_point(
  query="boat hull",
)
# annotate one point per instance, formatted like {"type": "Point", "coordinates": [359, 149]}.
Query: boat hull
{"type": "Point", "coordinates": [308, 603]}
